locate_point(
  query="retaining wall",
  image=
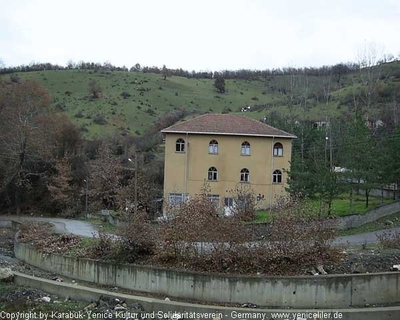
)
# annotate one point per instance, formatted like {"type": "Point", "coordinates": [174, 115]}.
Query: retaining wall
{"type": "Point", "coordinates": [372, 215]}
{"type": "Point", "coordinates": [333, 291]}
{"type": "Point", "coordinates": [159, 308]}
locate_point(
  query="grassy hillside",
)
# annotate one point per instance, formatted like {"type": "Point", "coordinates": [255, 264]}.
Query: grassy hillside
{"type": "Point", "coordinates": [131, 101]}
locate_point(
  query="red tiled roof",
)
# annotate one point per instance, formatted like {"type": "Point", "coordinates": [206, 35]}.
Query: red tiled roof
{"type": "Point", "coordinates": [226, 124]}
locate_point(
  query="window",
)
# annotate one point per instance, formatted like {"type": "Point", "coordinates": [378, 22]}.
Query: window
{"type": "Point", "coordinates": [244, 175]}
{"type": "Point", "coordinates": [214, 199]}
{"type": "Point", "coordinates": [180, 145]}
{"type": "Point", "coordinates": [277, 176]}
{"type": "Point", "coordinates": [244, 202]}
{"type": "Point", "coordinates": [212, 174]}
{"type": "Point", "coordinates": [176, 199]}
{"type": "Point", "coordinates": [228, 202]}
{"type": "Point", "coordinates": [246, 148]}
{"type": "Point", "coordinates": [278, 149]}
{"type": "Point", "coordinates": [213, 147]}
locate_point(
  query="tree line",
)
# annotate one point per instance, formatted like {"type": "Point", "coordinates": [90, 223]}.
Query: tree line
{"type": "Point", "coordinates": [340, 69]}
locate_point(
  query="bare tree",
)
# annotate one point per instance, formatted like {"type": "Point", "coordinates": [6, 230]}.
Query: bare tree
{"type": "Point", "coordinates": [369, 58]}
{"type": "Point", "coordinates": [105, 177]}
{"type": "Point", "coordinates": [95, 90]}
{"type": "Point", "coordinates": [23, 144]}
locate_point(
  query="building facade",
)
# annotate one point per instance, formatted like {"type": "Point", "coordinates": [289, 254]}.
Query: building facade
{"type": "Point", "coordinates": [225, 151]}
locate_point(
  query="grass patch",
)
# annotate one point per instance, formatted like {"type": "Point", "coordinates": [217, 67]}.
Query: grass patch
{"type": "Point", "coordinates": [85, 243]}
{"type": "Point", "coordinates": [340, 207]}
{"type": "Point", "coordinates": [263, 216]}
{"type": "Point", "coordinates": [101, 225]}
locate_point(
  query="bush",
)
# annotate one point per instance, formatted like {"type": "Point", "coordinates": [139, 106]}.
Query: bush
{"type": "Point", "coordinates": [199, 238]}
{"type": "Point", "coordinates": [79, 114]}
{"type": "Point", "coordinates": [100, 120]}
{"type": "Point", "coordinates": [151, 111]}
{"type": "Point", "coordinates": [140, 236]}
{"type": "Point", "coordinates": [389, 240]}
{"type": "Point", "coordinates": [125, 95]}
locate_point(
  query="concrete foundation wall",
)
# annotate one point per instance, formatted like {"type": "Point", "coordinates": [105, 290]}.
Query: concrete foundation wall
{"type": "Point", "coordinates": [281, 292]}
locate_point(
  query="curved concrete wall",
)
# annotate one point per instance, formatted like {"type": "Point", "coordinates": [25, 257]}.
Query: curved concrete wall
{"type": "Point", "coordinates": [159, 308]}
{"type": "Point", "coordinates": [337, 291]}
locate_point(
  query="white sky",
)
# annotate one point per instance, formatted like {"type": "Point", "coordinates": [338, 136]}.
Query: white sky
{"type": "Point", "coordinates": [196, 34]}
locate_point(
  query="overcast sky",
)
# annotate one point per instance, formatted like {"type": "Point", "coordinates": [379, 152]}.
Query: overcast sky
{"type": "Point", "coordinates": [196, 34]}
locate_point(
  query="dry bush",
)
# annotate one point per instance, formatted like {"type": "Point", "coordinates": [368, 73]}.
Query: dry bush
{"type": "Point", "coordinates": [245, 202]}
{"type": "Point", "coordinates": [138, 238]}
{"type": "Point", "coordinates": [59, 243]}
{"type": "Point", "coordinates": [199, 239]}
{"type": "Point", "coordinates": [40, 234]}
{"type": "Point", "coordinates": [389, 240]}
{"type": "Point", "coordinates": [299, 238]}
{"type": "Point", "coordinates": [105, 246]}
{"type": "Point", "coordinates": [31, 231]}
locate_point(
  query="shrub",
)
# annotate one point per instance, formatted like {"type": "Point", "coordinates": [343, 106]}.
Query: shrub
{"type": "Point", "coordinates": [199, 238]}
{"type": "Point", "coordinates": [389, 240]}
{"type": "Point", "coordinates": [139, 236]}
{"type": "Point", "coordinates": [125, 95]}
{"type": "Point", "coordinates": [100, 120]}
{"type": "Point", "coordinates": [79, 114]}
{"type": "Point", "coordinates": [150, 111]}
{"type": "Point", "coordinates": [226, 109]}
{"type": "Point", "coordinates": [95, 90]}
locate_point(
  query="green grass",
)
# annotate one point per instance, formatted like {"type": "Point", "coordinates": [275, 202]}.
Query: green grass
{"type": "Point", "coordinates": [85, 243]}
{"type": "Point", "coordinates": [70, 93]}
{"type": "Point", "coordinates": [340, 207]}
{"type": "Point", "coordinates": [263, 217]}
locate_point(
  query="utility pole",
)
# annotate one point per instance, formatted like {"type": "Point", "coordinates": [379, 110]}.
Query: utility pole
{"type": "Point", "coordinates": [136, 180]}
{"type": "Point", "coordinates": [86, 194]}
{"type": "Point", "coordinates": [330, 146]}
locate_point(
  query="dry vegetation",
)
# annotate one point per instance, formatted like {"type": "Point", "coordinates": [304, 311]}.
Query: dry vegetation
{"type": "Point", "coordinates": [200, 239]}
{"type": "Point", "coordinates": [389, 240]}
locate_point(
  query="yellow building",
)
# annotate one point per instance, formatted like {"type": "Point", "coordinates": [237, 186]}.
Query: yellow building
{"type": "Point", "coordinates": [225, 151]}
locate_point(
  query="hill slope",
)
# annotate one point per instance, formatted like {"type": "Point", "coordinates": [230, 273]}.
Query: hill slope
{"type": "Point", "coordinates": [132, 101]}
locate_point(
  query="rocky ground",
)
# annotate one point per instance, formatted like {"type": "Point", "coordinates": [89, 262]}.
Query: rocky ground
{"type": "Point", "coordinates": [34, 304]}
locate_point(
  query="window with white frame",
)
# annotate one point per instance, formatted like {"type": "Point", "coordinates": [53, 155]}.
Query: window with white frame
{"type": "Point", "coordinates": [244, 175]}
{"type": "Point", "coordinates": [213, 147]}
{"type": "Point", "coordinates": [180, 145]}
{"type": "Point", "coordinates": [176, 199]}
{"type": "Point", "coordinates": [229, 202]}
{"type": "Point", "coordinates": [277, 176]}
{"type": "Point", "coordinates": [212, 174]}
{"type": "Point", "coordinates": [245, 150]}
{"type": "Point", "coordinates": [278, 149]}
